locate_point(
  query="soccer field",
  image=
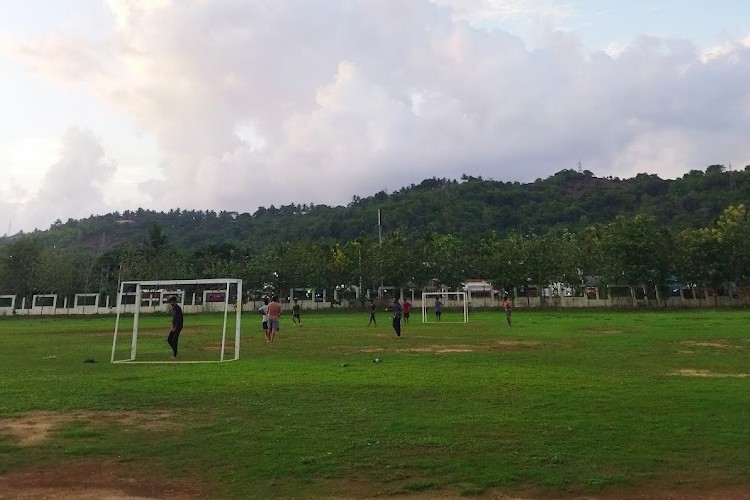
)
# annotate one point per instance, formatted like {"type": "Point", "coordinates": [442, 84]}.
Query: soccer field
{"type": "Point", "coordinates": [582, 404]}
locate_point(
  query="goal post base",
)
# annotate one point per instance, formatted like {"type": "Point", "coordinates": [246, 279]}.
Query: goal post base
{"type": "Point", "coordinates": [175, 362]}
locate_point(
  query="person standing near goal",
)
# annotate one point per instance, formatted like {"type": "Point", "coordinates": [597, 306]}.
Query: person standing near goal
{"type": "Point", "coordinates": [264, 311]}
{"type": "Point", "coordinates": [274, 312]}
{"type": "Point", "coordinates": [507, 307]}
{"type": "Point", "coordinates": [438, 309]}
{"type": "Point", "coordinates": [407, 310]}
{"type": "Point", "coordinates": [296, 309]}
{"type": "Point", "coordinates": [174, 333]}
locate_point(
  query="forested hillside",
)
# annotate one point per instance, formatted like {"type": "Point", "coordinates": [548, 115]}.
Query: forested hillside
{"type": "Point", "coordinates": [442, 231]}
{"type": "Point", "coordinates": [463, 208]}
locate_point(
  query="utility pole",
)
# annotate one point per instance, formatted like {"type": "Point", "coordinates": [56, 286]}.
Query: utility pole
{"type": "Point", "coordinates": [380, 231]}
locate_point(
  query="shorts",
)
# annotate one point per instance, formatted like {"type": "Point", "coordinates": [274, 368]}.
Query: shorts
{"type": "Point", "coordinates": [273, 325]}
{"type": "Point", "coordinates": [265, 325]}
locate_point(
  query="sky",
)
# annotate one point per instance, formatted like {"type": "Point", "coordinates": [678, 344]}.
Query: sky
{"type": "Point", "coordinates": [112, 105]}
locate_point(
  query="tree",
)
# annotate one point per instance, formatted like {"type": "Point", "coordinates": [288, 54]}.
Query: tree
{"type": "Point", "coordinates": [63, 272]}
{"type": "Point", "coordinates": [446, 260]}
{"type": "Point", "coordinates": [398, 262]}
{"type": "Point", "coordinates": [156, 241]}
{"type": "Point", "coordinates": [17, 264]}
{"type": "Point", "coordinates": [699, 257]}
{"type": "Point", "coordinates": [635, 251]}
{"type": "Point", "coordinates": [733, 234]}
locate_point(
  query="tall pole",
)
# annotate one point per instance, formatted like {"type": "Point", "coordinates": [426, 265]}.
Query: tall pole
{"type": "Point", "coordinates": [380, 231]}
{"type": "Point", "coordinates": [380, 257]}
{"type": "Point", "coordinates": [361, 295]}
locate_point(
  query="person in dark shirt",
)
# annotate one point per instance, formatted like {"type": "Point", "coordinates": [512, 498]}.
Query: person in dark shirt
{"type": "Point", "coordinates": [372, 314]}
{"type": "Point", "coordinates": [174, 333]}
{"type": "Point", "coordinates": [296, 309]}
{"type": "Point", "coordinates": [397, 309]}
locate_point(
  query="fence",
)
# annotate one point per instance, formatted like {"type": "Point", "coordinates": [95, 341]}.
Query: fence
{"type": "Point", "coordinates": [620, 297]}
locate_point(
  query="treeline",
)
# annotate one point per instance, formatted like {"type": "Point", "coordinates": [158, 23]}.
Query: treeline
{"type": "Point", "coordinates": [630, 250]}
{"type": "Point", "coordinates": [463, 208]}
{"type": "Point", "coordinates": [441, 232]}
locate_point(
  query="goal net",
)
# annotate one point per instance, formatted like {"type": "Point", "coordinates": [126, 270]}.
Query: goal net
{"type": "Point", "coordinates": [452, 306]}
{"type": "Point", "coordinates": [143, 310]}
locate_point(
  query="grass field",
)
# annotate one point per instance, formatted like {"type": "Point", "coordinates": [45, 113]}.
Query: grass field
{"type": "Point", "coordinates": [562, 404]}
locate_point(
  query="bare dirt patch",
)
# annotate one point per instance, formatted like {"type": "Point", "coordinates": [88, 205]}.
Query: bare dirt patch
{"type": "Point", "coordinates": [443, 349]}
{"type": "Point", "coordinates": [366, 491]}
{"type": "Point", "coordinates": [600, 330]}
{"type": "Point", "coordinates": [108, 480]}
{"type": "Point", "coordinates": [689, 372]}
{"type": "Point", "coordinates": [91, 480]}
{"type": "Point", "coordinates": [459, 348]}
{"type": "Point", "coordinates": [446, 348]}
{"type": "Point", "coordinates": [352, 349]}
{"type": "Point", "coordinates": [34, 428]}
{"type": "Point", "coordinates": [512, 344]}
{"type": "Point", "coordinates": [719, 344]}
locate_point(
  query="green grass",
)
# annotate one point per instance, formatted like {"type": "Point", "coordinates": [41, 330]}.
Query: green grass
{"type": "Point", "coordinates": [562, 402]}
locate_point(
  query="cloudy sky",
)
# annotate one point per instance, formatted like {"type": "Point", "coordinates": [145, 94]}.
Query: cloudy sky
{"type": "Point", "coordinates": [109, 105]}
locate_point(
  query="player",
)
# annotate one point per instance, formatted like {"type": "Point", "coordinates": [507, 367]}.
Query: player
{"type": "Point", "coordinates": [372, 314]}
{"type": "Point", "coordinates": [296, 309]}
{"type": "Point", "coordinates": [174, 333]}
{"type": "Point", "coordinates": [438, 309]}
{"type": "Point", "coordinates": [274, 312]}
{"type": "Point", "coordinates": [396, 309]}
{"type": "Point", "coordinates": [507, 307]}
{"type": "Point", "coordinates": [264, 311]}
{"type": "Point", "coordinates": [407, 310]}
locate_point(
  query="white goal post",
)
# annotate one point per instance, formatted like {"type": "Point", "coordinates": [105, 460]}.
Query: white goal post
{"type": "Point", "coordinates": [137, 296]}
{"type": "Point", "coordinates": [448, 299]}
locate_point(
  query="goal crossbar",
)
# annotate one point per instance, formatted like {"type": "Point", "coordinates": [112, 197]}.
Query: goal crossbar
{"type": "Point", "coordinates": [139, 285]}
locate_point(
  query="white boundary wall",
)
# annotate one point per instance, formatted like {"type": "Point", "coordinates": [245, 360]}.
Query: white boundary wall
{"type": "Point", "coordinates": [601, 299]}
{"type": "Point", "coordinates": [38, 308]}
{"type": "Point", "coordinates": [8, 310]}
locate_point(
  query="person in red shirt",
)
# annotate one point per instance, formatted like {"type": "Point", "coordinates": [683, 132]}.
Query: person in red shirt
{"type": "Point", "coordinates": [407, 309]}
{"type": "Point", "coordinates": [274, 311]}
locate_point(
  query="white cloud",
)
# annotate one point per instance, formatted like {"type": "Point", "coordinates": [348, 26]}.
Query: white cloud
{"type": "Point", "coordinates": [71, 187]}
{"type": "Point", "coordinates": [482, 11]}
{"type": "Point", "coordinates": [256, 103]}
